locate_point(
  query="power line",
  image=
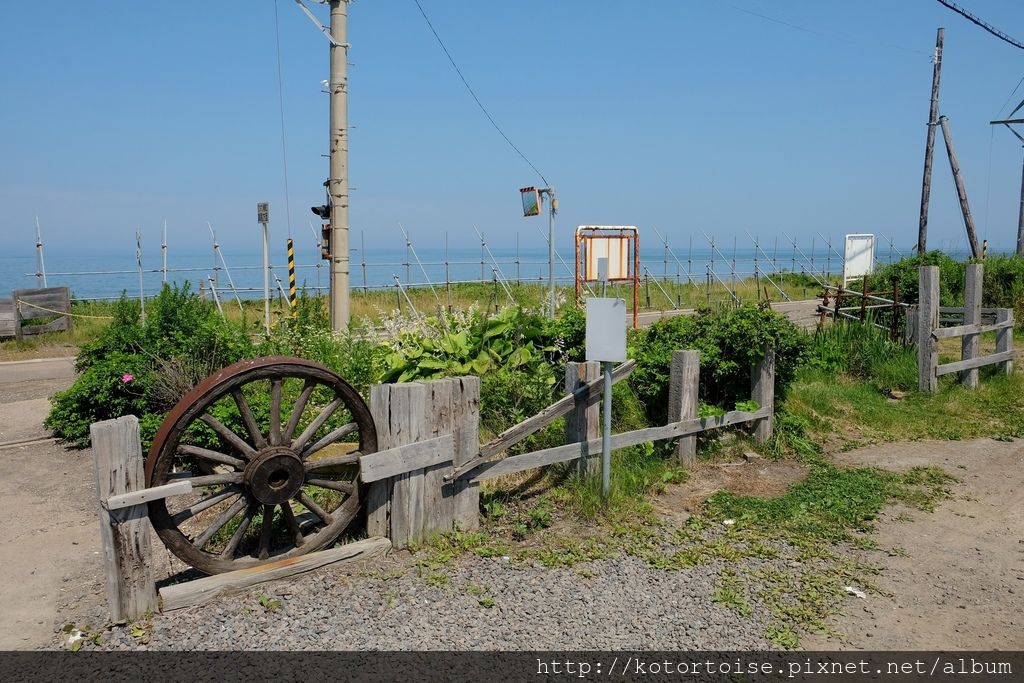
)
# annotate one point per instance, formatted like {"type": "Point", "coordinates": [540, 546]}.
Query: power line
{"type": "Point", "coordinates": [983, 24]}
{"type": "Point", "coordinates": [473, 94]}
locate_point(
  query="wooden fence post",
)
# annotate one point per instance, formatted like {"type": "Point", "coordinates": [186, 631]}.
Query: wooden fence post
{"type": "Point", "coordinates": [927, 322]}
{"type": "Point", "coordinates": [438, 508]}
{"type": "Point", "coordinates": [584, 422]}
{"type": "Point", "coordinates": [762, 390]}
{"type": "Point", "coordinates": [124, 533]}
{"type": "Point", "coordinates": [971, 343]}
{"type": "Point", "coordinates": [466, 431]}
{"type": "Point", "coordinates": [683, 388]}
{"type": "Point", "coordinates": [1004, 337]}
{"type": "Point", "coordinates": [399, 412]}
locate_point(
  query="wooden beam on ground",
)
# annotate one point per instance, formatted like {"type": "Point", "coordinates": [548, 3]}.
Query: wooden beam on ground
{"type": "Point", "coordinates": [203, 590]}
{"type": "Point", "coordinates": [403, 459]}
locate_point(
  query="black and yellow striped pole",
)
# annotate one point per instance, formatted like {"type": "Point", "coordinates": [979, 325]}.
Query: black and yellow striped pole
{"type": "Point", "coordinates": [291, 274]}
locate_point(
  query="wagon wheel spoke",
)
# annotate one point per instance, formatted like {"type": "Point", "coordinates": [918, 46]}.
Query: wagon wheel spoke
{"type": "Point", "coordinates": [343, 486]}
{"type": "Point", "coordinates": [325, 463]}
{"type": "Point", "coordinates": [206, 503]}
{"type": "Point", "coordinates": [219, 522]}
{"type": "Point", "coordinates": [292, 524]}
{"type": "Point", "coordinates": [243, 526]}
{"type": "Point", "coordinates": [228, 435]}
{"type": "Point", "coordinates": [266, 530]}
{"type": "Point", "coordinates": [213, 456]}
{"type": "Point", "coordinates": [300, 406]}
{"type": "Point", "coordinates": [312, 506]}
{"type": "Point", "coordinates": [330, 438]}
{"type": "Point", "coordinates": [275, 412]}
{"type": "Point", "coordinates": [248, 420]}
{"type": "Point", "coordinates": [316, 424]}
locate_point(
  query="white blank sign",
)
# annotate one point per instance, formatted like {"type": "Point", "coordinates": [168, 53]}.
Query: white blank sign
{"type": "Point", "coordinates": [860, 256]}
{"type": "Point", "coordinates": [606, 330]}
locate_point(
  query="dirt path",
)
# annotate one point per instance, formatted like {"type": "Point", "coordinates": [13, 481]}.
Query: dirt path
{"type": "Point", "coordinates": [954, 578]}
{"type": "Point", "coordinates": [49, 540]}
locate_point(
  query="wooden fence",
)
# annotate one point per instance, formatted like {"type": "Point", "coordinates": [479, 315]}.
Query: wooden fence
{"type": "Point", "coordinates": [973, 321]}
{"type": "Point", "coordinates": [424, 481]}
{"type": "Point", "coordinates": [33, 304]}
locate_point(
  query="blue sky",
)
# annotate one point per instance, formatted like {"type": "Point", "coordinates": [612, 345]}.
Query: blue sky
{"type": "Point", "coordinates": [684, 115]}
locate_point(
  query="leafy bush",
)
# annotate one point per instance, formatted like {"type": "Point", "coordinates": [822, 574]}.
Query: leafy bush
{"type": "Point", "coordinates": [905, 274]}
{"type": "Point", "coordinates": [730, 342]}
{"type": "Point", "coordinates": [141, 368]}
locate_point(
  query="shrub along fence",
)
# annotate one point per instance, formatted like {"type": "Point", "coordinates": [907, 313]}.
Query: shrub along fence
{"type": "Point", "coordinates": [973, 322]}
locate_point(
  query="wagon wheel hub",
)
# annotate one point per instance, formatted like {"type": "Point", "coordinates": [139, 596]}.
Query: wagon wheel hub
{"type": "Point", "coordinates": [274, 475]}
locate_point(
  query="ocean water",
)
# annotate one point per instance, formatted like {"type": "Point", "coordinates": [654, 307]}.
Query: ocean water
{"type": "Point", "coordinates": [106, 277]}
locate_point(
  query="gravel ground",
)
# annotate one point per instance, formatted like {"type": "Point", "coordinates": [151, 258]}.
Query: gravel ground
{"type": "Point", "coordinates": [607, 604]}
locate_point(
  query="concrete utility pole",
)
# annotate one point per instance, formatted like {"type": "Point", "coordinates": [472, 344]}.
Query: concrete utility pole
{"type": "Point", "coordinates": [263, 218]}
{"type": "Point", "coordinates": [337, 188]}
{"type": "Point", "coordinates": [961, 190]}
{"type": "Point", "coordinates": [933, 113]}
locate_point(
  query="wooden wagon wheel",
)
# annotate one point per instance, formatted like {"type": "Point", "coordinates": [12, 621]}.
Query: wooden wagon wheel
{"type": "Point", "coordinates": [284, 436]}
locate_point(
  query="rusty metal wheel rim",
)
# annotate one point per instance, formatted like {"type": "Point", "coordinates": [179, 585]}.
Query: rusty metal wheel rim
{"type": "Point", "coordinates": [264, 468]}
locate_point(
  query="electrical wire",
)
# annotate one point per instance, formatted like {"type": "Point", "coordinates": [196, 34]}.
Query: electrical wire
{"type": "Point", "coordinates": [280, 101]}
{"type": "Point", "coordinates": [983, 24]}
{"type": "Point", "coordinates": [1010, 98]}
{"type": "Point", "coordinates": [473, 94]}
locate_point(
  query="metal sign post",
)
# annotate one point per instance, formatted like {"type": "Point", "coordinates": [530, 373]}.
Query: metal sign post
{"type": "Point", "coordinates": [532, 199]}
{"type": "Point", "coordinates": [263, 216]}
{"type": "Point", "coordinates": [606, 342]}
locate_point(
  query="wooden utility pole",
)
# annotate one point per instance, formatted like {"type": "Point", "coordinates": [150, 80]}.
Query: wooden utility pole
{"type": "Point", "coordinates": [961, 191]}
{"type": "Point", "coordinates": [933, 112]}
{"type": "Point", "coordinates": [1020, 216]}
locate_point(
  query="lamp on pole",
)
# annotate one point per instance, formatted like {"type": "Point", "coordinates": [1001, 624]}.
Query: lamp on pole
{"type": "Point", "coordinates": [533, 199]}
{"type": "Point", "coordinates": [263, 217]}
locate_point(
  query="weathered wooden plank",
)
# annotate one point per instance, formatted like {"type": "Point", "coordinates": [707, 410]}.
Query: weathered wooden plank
{"type": "Point", "coordinates": [403, 459]}
{"type": "Point", "coordinates": [684, 383]}
{"type": "Point", "coordinates": [203, 590]}
{"type": "Point", "coordinates": [960, 310]}
{"type": "Point", "coordinates": [762, 390]}
{"type": "Point", "coordinates": [124, 533]}
{"type": "Point", "coordinates": [515, 434]}
{"type": "Point", "coordinates": [974, 363]}
{"type": "Point", "coordinates": [548, 456]}
{"type": "Point", "coordinates": [466, 432]}
{"type": "Point", "coordinates": [1004, 337]}
{"type": "Point", "coordinates": [927, 322]}
{"type": "Point", "coordinates": [583, 422]}
{"type": "Point", "coordinates": [961, 330]}
{"type": "Point", "coordinates": [399, 412]}
{"type": "Point", "coordinates": [438, 508]}
{"type": "Point", "coordinates": [971, 343]}
{"type": "Point", "coordinates": [175, 488]}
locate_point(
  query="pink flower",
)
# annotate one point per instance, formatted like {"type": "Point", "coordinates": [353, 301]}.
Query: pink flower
{"type": "Point", "coordinates": [127, 377]}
